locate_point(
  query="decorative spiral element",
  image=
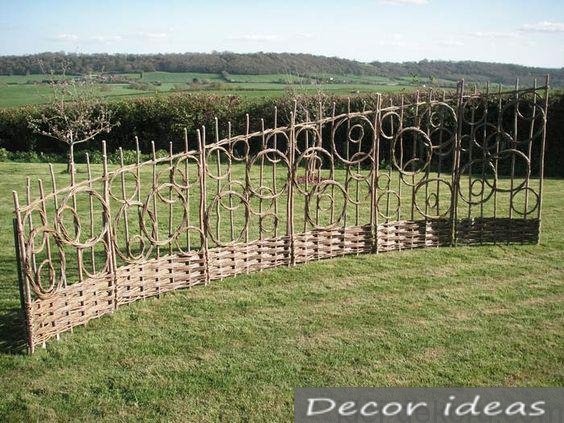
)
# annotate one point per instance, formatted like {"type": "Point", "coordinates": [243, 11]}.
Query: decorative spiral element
{"type": "Point", "coordinates": [67, 208]}
{"type": "Point", "coordinates": [478, 189]}
{"type": "Point", "coordinates": [167, 194]}
{"type": "Point", "coordinates": [323, 198]}
{"type": "Point", "coordinates": [55, 279]}
{"type": "Point", "coordinates": [350, 151]}
{"type": "Point", "coordinates": [230, 201]}
{"type": "Point", "coordinates": [428, 200]}
{"type": "Point", "coordinates": [419, 142]}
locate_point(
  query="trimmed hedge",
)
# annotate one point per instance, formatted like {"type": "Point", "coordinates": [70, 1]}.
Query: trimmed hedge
{"type": "Point", "coordinates": [162, 119]}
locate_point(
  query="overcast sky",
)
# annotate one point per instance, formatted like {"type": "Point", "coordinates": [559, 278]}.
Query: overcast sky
{"type": "Point", "coordinates": [527, 32]}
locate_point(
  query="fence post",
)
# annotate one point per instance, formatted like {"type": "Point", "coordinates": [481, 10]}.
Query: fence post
{"type": "Point", "coordinates": [291, 176]}
{"type": "Point", "coordinates": [456, 163]}
{"type": "Point", "coordinates": [107, 219]}
{"type": "Point", "coordinates": [375, 171]}
{"type": "Point", "coordinates": [543, 144]}
{"type": "Point", "coordinates": [203, 201]}
{"type": "Point", "coordinates": [25, 293]}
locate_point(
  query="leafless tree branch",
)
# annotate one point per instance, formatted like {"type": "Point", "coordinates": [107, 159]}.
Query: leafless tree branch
{"type": "Point", "coordinates": [75, 113]}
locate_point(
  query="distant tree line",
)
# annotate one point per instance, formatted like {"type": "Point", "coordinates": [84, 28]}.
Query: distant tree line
{"type": "Point", "coordinates": [471, 71]}
{"type": "Point", "coordinates": [272, 63]}
{"type": "Point", "coordinates": [232, 63]}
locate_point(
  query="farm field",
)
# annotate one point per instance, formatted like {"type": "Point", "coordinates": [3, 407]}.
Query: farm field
{"type": "Point", "coordinates": [234, 351]}
{"type": "Point", "coordinates": [21, 90]}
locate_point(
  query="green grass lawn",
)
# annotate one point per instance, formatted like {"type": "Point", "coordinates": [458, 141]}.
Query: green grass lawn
{"type": "Point", "coordinates": [19, 90]}
{"type": "Point", "coordinates": [234, 351]}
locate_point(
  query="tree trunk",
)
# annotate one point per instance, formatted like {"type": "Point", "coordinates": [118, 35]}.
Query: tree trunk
{"type": "Point", "coordinates": [70, 164]}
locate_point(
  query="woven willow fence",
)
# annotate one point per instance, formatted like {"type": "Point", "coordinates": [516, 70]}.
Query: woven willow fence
{"type": "Point", "coordinates": [434, 171]}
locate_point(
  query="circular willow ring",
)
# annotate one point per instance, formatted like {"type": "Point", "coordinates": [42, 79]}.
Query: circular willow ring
{"type": "Point", "coordinates": [145, 247]}
{"type": "Point", "coordinates": [320, 193]}
{"type": "Point", "coordinates": [527, 208]}
{"type": "Point", "coordinates": [354, 135]}
{"type": "Point", "coordinates": [215, 153]}
{"type": "Point", "coordinates": [218, 203]}
{"type": "Point", "coordinates": [34, 277]}
{"type": "Point", "coordinates": [65, 233]}
{"type": "Point", "coordinates": [421, 163]}
{"type": "Point", "coordinates": [154, 195]}
{"type": "Point", "coordinates": [117, 178]}
{"type": "Point", "coordinates": [185, 182]}
{"type": "Point", "coordinates": [432, 198]}
{"type": "Point", "coordinates": [269, 190]}
{"type": "Point", "coordinates": [383, 203]}
{"type": "Point", "coordinates": [477, 187]}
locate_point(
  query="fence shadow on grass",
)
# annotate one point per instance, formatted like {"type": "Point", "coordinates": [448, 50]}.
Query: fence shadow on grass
{"type": "Point", "coordinates": [12, 332]}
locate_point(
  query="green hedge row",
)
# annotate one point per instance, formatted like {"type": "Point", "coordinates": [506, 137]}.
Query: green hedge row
{"type": "Point", "coordinates": [162, 119]}
{"type": "Point", "coordinates": [94, 156]}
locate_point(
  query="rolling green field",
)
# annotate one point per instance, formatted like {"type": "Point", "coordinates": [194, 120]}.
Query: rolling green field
{"type": "Point", "coordinates": [234, 351]}
{"type": "Point", "coordinates": [21, 90]}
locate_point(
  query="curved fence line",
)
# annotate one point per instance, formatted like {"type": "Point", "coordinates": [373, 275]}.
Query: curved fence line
{"type": "Point", "coordinates": [436, 171]}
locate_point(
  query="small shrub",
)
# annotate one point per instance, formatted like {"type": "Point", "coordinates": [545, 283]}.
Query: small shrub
{"type": "Point", "coordinates": [25, 156]}
{"type": "Point", "coordinates": [142, 86]}
{"type": "Point", "coordinates": [95, 156]}
{"type": "Point", "coordinates": [161, 154]}
{"type": "Point", "coordinates": [129, 157]}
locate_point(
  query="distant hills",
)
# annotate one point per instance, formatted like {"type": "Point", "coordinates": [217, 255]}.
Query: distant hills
{"type": "Point", "coordinates": [472, 71]}
{"type": "Point", "coordinates": [276, 63]}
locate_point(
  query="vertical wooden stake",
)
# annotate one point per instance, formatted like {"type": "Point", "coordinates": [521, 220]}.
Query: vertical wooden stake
{"type": "Point", "coordinates": [203, 201]}
{"type": "Point", "coordinates": [375, 171]}
{"type": "Point", "coordinates": [23, 268]}
{"type": "Point", "coordinates": [291, 178]}
{"type": "Point", "coordinates": [107, 220]}
{"type": "Point", "coordinates": [543, 146]}
{"type": "Point", "coordinates": [455, 180]}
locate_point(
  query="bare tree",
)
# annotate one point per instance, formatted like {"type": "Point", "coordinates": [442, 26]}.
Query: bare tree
{"type": "Point", "coordinates": [75, 113]}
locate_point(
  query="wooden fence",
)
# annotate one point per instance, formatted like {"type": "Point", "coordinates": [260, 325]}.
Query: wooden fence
{"type": "Point", "coordinates": [438, 170]}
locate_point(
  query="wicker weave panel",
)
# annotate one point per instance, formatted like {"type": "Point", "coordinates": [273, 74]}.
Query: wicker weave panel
{"type": "Point", "coordinates": [75, 305]}
{"type": "Point", "coordinates": [157, 276]}
{"type": "Point", "coordinates": [409, 234]}
{"type": "Point", "coordinates": [92, 298]}
{"type": "Point", "coordinates": [245, 258]}
{"type": "Point", "coordinates": [497, 230]}
{"type": "Point", "coordinates": [326, 243]}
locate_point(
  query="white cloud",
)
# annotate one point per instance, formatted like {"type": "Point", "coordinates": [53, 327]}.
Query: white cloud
{"type": "Point", "coordinates": [105, 38]}
{"type": "Point", "coordinates": [304, 35]}
{"type": "Point", "coordinates": [494, 34]}
{"type": "Point", "coordinates": [416, 2]}
{"type": "Point", "coordinates": [392, 43]}
{"type": "Point", "coordinates": [450, 43]}
{"type": "Point", "coordinates": [394, 40]}
{"type": "Point", "coordinates": [544, 26]}
{"type": "Point", "coordinates": [64, 37]}
{"type": "Point", "coordinates": [152, 35]}
{"type": "Point", "coordinates": [254, 37]}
